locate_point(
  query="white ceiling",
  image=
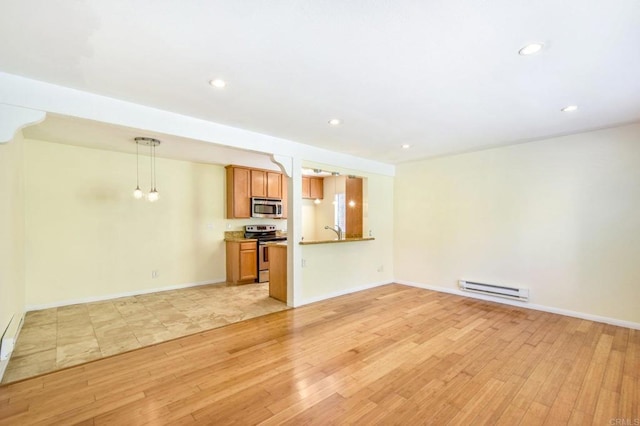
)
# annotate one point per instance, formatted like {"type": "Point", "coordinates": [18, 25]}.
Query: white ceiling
{"type": "Point", "coordinates": [443, 76]}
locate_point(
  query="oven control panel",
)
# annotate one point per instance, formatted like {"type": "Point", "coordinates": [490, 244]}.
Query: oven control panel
{"type": "Point", "coordinates": [259, 228]}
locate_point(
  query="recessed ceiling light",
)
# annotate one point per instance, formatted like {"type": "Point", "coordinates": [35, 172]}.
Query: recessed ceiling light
{"type": "Point", "coordinates": [405, 146]}
{"type": "Point", "coordinates": [569, 108]}
{"type": "Point", "coordinates": [335, 122]}
{"type": "Point", "coordinates": [531, 49]}
{"type": "Point", "coordinates": [217, 83]}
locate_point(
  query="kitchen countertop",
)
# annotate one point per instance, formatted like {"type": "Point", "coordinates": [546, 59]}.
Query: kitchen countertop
{"type": "Point", "coordinates": [238, 236]}
{"type": "Point", "coordinates": [346, 240]}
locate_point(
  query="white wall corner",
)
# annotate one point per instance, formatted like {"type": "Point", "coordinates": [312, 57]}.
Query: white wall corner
{"type": "Point", "coordinates": [13, 118]}
{"type": "Point", "coordinates": [294, 234]}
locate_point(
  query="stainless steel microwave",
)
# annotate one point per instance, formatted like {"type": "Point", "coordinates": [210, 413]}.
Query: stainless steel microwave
{"type": "Point", "coordinates": [266, 207]}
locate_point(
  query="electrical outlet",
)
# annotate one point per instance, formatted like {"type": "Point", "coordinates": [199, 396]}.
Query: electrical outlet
{"type": "Point", "coordinates": [304, 263]}
{"type": "Point", "coordinates": [154, 273]}
{"type": "Point", "coordinates": [381, 268]}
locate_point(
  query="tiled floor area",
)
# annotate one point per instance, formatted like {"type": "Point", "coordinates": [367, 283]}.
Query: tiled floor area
{"type": "Point", "coordinates": [61, 337]}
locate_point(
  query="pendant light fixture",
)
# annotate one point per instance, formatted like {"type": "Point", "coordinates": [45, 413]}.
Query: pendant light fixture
{"type": "Point", "coordinates": [153, 194]}
{"type": "Point", "coordinates": [137, 193]}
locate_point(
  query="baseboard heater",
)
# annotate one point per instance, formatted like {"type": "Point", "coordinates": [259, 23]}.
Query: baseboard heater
{"type": "Point", "coordinates": [10, 336]}
{"type": "Point", "coordinates": [495, 290]}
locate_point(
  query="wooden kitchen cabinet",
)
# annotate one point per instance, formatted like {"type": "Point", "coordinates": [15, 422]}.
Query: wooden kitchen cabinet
{"type": "Point", "coordinates": [266, 184]}
{"type": "Point", "coordinates": [244, 183]}
{"type": "Point", "coordinates": [278, 272]}
{"type": "Point", "coordinates": [353, 213]}
{"type": "Point", "coordinates": [242, 261]}
{"type": "Point", "coordinates": [316, 188]}
{"type": "Point", "coordinates": [258, 183]}
{"type": "Point", "coordinates": [274, 185]}
{"type": "Point", "coordinates": [238, 192]}
{"type": "Point", "coordinates": [312, 187]}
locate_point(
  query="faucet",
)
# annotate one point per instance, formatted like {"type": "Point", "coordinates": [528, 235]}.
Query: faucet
{"type": "Point", "coordinates": [338, 232]}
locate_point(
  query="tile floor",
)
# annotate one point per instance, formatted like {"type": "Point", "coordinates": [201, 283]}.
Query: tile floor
{"type": "Point", "coordinates": [61, 337]}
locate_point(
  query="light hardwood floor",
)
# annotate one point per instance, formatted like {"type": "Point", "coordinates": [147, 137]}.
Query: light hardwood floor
{"type": "Point", "coordinates": [389, 355]}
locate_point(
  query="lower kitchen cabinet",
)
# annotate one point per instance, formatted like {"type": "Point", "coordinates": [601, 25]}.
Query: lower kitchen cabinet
{"type": "Point", "coordinates": [278, 272]}
{"type": "Point", "coordinates": [242, 261]}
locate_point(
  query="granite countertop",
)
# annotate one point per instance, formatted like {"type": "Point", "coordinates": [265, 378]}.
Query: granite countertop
{"type": "Point", "coordinates": [346, 240]}
{"type": "Point", "coordinates": [237, 236]}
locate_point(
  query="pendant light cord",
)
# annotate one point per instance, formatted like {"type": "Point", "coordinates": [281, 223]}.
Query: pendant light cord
{"type": "Point", "coordinates": [154, 167]}
{"type": "Point", "coordinates": [137, 165]}
{"type": "Point", "coordinates": [151, 164]}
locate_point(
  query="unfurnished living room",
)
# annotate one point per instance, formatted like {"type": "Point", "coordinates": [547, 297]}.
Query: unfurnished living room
{"type": "Point", "coordinates": [298, 212]}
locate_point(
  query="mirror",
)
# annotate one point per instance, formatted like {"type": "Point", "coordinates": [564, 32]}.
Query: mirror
{"type": "Point", "coordinates": [333, 205]}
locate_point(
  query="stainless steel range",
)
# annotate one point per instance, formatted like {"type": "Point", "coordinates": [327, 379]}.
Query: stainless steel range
{"type": "Point", "coordinates": [264, 234]}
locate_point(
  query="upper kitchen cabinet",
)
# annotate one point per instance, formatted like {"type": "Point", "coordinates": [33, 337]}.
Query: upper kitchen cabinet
{"type": "Point", "coordinates": [238, 192]}
{"type": "Point", "coordinates": [266, 184]}
{"type": "Point", "coordinates": [312, 187]}
{"type": "Point", "coordinates": [274, 185]}
{"type": "Point", "coordinates": [244, 183]}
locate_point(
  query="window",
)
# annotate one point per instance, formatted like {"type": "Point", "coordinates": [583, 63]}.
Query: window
{"type": "Point", "coordinates": [340, 210]}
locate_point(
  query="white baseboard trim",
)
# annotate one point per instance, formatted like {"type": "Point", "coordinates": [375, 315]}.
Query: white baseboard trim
{"type": "Point", "coordinates": [544, 308]}
{"type": "Point", "coordinates": [342, 292]}
{"type": "Point", "coordinates": [118, 295]}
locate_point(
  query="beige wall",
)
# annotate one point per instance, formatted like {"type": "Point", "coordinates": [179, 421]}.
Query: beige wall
{"type": "Point", "coordinates": [87, 237]}
{"type": "Point", "coordinates": [339, 268]}
{"type": "Point", "coordinates": [12, 265]}
{"type": "Point", "coordinates": [559, 216]}
{"type": "Point", "coordinates": [309, 228]}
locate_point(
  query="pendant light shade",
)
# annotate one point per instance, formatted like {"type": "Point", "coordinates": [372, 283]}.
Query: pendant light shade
{"type": "Point", "coordinates": [153, 194]}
